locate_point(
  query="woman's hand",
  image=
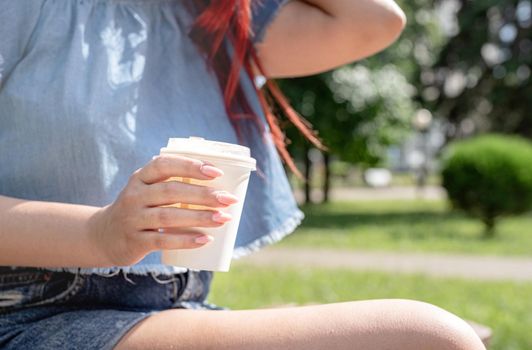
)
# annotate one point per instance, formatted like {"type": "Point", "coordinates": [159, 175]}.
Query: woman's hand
{"type": "Point", "coordinates": [138, 222]}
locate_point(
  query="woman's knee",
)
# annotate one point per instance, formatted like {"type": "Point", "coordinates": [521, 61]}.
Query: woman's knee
{"type": "Point", "coordinates": [436, 328]}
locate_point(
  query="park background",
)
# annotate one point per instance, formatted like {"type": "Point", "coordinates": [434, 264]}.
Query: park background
{"type": "Point", "coordinates": [379, 223]}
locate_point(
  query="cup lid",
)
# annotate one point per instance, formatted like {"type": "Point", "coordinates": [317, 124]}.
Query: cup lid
{"type": "Point", "coordinates": [198, 146]}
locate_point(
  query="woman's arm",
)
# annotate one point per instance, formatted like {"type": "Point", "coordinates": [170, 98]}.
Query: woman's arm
{"type": "Point", "coordinates": [311, 36]}
{"type": "Point", "coordinates": [45, 234]}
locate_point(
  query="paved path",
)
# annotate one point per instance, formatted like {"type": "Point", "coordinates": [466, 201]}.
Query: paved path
{"type": "Point", "coordinates": [387, 193]}
{"type": "Point", "coordinates": [462, 266]}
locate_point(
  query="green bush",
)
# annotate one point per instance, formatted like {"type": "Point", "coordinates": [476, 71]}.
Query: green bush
{"type": "Point", "coordinates": [489, 176]}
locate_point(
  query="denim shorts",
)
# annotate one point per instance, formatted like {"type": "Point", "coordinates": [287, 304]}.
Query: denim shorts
{"type": "Point", "coordinates": [42, 309]}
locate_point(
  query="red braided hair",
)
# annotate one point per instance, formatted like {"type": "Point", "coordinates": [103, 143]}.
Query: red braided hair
{"type": "Point", "coordinates": [231, 19]}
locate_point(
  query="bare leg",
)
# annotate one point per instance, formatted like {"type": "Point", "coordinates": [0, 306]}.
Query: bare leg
{"type": "Point", "coordinates": [365, 325]}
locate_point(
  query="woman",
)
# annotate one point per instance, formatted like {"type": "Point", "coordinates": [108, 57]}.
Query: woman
{"type": "Point", "coordinates": [89, 92]}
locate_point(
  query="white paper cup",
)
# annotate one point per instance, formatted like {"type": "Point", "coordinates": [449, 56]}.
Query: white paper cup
{"type": "Point", "coordinates": [236, 163]}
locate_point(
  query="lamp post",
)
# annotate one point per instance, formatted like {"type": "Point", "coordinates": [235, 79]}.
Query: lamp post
{"type": "Point", "coordinates": [422, 121]}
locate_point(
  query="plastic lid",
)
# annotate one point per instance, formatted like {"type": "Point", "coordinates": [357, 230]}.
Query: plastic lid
{"type": "Point", "coordinates": [198, 146]}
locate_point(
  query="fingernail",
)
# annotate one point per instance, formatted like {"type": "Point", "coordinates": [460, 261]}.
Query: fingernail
{"type": "Point", "coordinates": [221, 217]}
{"type": "Point", "coordinates": [211, 171]}
{"type": "Point", "coordinates": [204, 239]}
{"type": "Point", "coordinates": [226, 198]}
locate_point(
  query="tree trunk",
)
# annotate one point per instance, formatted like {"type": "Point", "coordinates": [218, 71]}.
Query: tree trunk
{"type": "Point", "coordinates": [308, 175]}
{"type": "Point", "coordinates": [327, 177]}
{"type": "Point", "coordinates": [489, 226]}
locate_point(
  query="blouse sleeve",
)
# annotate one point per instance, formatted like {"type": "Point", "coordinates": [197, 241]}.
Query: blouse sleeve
{"type": "Point", "coordinates": [263, 12]}
{"type": "Point", "coordinates": [17, 23]}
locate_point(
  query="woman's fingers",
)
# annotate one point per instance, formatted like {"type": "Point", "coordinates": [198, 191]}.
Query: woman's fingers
{"type": "Point", "coordinates": [170, 192]}
{"type": "Point", "coordinates": [168, 217]}
{"type": "Point", "coordinates": [173, 240]}
{"type": "Point", "coordinates": [164, 167]}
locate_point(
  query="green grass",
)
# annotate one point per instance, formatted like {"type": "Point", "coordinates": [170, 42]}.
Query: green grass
{"type": "Point", "coordinates": [410, 226]}
{"type": "Point", "coordinates": [504, 306]}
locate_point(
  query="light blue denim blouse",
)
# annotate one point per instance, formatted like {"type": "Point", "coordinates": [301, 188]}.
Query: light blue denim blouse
{"type": "Point", "coordinates": [90, 90]}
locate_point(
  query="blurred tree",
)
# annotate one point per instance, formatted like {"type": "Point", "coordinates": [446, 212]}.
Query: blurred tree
{"type": "Point", "coordinates": [489, 177]}
{"type": "Point", "coordinates": [358, 111]}
{"type": "Point", "coordinates": [481, 80]}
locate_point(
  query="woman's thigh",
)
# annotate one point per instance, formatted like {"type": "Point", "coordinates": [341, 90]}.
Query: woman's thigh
{"type": "Point", "coordinates": [368, 325]}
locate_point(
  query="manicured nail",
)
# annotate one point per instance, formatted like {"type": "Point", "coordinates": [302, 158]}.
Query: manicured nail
{"type": "Point", "coordinates": [211, 171]}
{"type": "Point", "coordinates": [204, 239]}
{"type": "Point", "coordinates": [221, 217]}
{"type": "Point", "coordinates": [226, 198]}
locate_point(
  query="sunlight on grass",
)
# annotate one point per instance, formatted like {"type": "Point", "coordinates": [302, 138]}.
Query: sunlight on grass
{"type": "Point", "coordinates": [407, 226]}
